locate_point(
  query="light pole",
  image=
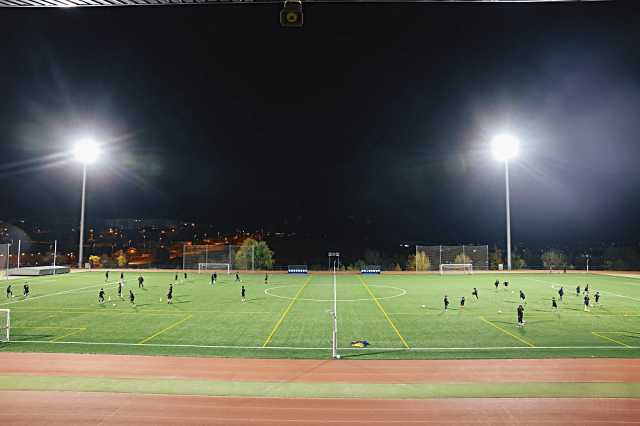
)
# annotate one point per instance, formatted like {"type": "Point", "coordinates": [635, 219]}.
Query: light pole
{"type": "Point", "coordinates": [505, 147]}
{"type": "Point", "coordinates": [86, 152]}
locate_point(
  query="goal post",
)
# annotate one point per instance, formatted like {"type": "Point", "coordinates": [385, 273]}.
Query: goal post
{"type": "Point", "coordinates": [464, 268]}
{"type": "Point", "coordinates": [5, 325]}
{"type": "Point", "coordinates": [431, 258]}
{"type": "Point", "coordinates": [206, 267]}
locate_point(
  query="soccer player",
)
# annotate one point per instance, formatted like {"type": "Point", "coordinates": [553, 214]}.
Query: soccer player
{"type": "Point", "coordinates": [9, 292]}
{"type": "Point", "coordinates": [554, 305]}
{"type": "Point", "coordinates": [120, 287]}
{"type": "Point", "coordinates": [101, 296]}
{"type": "Point", "coordinates": [266, 278]}
{"type": "Point", "coordinates": [462, 303]}
{"type": "Point", "coordinates": [506, 284]}
{"type": "Point", "coordinates": [214, 278]}
{"type": "Point", "coordinates": [475, 293]}
{"type": "Point", "coordinates": [586, 303]}
{"type": "Point", "coordinates": [597, 296]}
{"type": "Point", "coordinates": [586, 288]}
{"type": "Point", "coordinates": [237, 277]}
{"type": "Point", "coordinates": [140, 282]}
{"type": "Point", "coordinates": [523, 297]}
{"type": "Point", "coordinates": [243, 292]}
{"type": "Point", "coordinates": [106, 276]}
{"type": "Point", "coordinates": [446, 303]}
{"type": "Point", "coordinates": [561, 293]}
{"type": "Point", "coordinates": [122, 276]}
{"type": "Point", "coordinates": [520, 315]}
{"type": "Point", "coordinates": [578, 290]}
{"type": "Point", "coordinates": [176, 277]}
{"type": "Point", "coordinates": [497, 283]}
{"type": "Point", "coordinates": [170, 294]}
{"type": "Point", "coordinates": [185, 276]}
{"type": "Point", "coordinates": [25, 290]}
{"type": "Point", "coordinates": [132, 297]}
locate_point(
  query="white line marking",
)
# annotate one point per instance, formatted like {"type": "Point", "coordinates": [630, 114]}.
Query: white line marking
{"type": "Point", "coordinates": [403, 292]}
{"type": "Point", "coordinates": [58, 293]}
{"type": "Point", "coordinates": [601, 291]}
{"type": "Point", "coordinates": [491, 348]}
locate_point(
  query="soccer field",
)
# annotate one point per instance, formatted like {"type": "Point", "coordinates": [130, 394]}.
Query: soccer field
{"type": "Point", "coordinates": [402, 316]}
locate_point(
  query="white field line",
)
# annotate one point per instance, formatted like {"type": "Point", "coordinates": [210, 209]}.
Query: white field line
{"type": "Point", "coordinates": [490, 348]}
{"type": "Point", "coordinates": [601, 291]}
{"type": "Point", "coordinates": [59, 293]}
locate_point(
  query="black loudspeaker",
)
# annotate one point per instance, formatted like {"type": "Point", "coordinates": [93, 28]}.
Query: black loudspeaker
{"type": "Point", "coordinates": [291, 15]}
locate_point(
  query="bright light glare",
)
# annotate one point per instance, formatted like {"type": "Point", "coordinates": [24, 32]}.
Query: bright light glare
{"type": "Point", "coordinates": [86, 151]}
{"type": "Point", "coordinates": [505, 147]}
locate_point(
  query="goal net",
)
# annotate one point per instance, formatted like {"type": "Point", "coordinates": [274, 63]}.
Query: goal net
{"type": "Point", "coordinates": [206, 267]}
{"type": "Point", "coordinates": [200, 257]}
{"type": "Point", "coordinates": [5, 324]}
{"type": "Point", "coordinates": [461, 268]}
{"type": "Point", "coordinates": [431, 258]}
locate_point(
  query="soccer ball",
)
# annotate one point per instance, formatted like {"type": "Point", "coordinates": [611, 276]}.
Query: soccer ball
{"type": "Point", "coordinates": [114, 304]}
{"type": "Point", "coordinates": [161, 299]}
{"type": "Point", "coordinates": [423, 306]}
{"type": "Point", "coordinates": [338, 356]}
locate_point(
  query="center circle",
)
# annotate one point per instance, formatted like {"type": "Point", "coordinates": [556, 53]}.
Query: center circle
{"type": "Point", "coordinates": [402, 292]}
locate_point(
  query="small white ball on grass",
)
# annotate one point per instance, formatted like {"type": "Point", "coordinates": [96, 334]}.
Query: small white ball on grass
{"type": "Point", "coordinates": [161, 299]}
{"type": "Point", "coordinates": [338, 356]}
{"type": "Point", "coordinates": [424, 306]}
{"type": "Point", "coordinates": [114, 304]}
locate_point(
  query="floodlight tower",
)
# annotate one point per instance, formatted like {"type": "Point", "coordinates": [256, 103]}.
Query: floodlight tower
{"type": "Point", "coordinates": [86, 151]}
{"type": "Point", "coordinates": [504, 148]}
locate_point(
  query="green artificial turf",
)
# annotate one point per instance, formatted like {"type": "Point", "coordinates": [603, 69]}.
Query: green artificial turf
{"type": "Point", "coordinates": [320, 390]}
{"type": "Point", "coordinates": [291, 316]}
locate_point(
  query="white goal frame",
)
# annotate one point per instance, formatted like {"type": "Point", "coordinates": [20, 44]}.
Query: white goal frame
{"type": "Point", "coordinates": [5, 331]}
{"type": "Point", "coordinates": [209, 266]}
{"type": "Point", "coordinates": [465, 268]}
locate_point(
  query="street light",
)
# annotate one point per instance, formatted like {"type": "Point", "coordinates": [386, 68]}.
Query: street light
{"type": "Point", "coordinates": [504, 148]}
{"type": "Point", "coordinates": [86, 151]}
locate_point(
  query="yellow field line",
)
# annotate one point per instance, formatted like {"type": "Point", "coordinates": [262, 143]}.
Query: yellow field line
{"type": "Point", "coordinates": [68, 334]}
{"type": "Point", "coordinates": [375, 299]}
{"type": "Point", "coordinates": [284, 314]}
{"type": "Point", "coordinates": [609, 338]}
{"type": "Point", "coordinates": [175, 324]}
{"type": "Point", "coordinates": [508, 333]}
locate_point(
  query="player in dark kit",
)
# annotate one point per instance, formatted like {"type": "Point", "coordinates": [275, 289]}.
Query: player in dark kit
{"type": "Point", "coordinates": [520, 315]}
{"type": "Point", "coordinates": [176, 277]}
{"type": "Point", "coordinates": [106, 276]}
{"type": "Point", "coordinates": [132, 297]}
{"type": "Point", "coordinates": [561, 293]}
{"type": "Point", "coordinates": [140, 282]}
{"type": "Point", "coordinates": [523, 297]}
{"type": "Point", "coordinates": [586, 288]}
{"type": "Point", "coordinates": [553, 303]}
{"type": "Point", "coordinates": [25, 290]}
{"type": "Point", "coordinates": [497, 283]}
{"type": "Point", "coordinates": [597, 296]}
{"type": "Point", "coordinates": [170, 294]}
{"type": "Point", "coordinates": [446, 303]}
{"type": "Point", "coordinates": [242, 293]}
{"type": "Point", "coordinates": [120, 289]}
{"type": "Point", "coordinates": [237, 277]}
{"type": "Point", "coordinates": [266, 278]}
{"type": "Point", "coordinates": [586, 303]}
{"type": "Point", "coordinates": [462, 303]}
{"type": "Point", "coordinates": [185, 276]}
{"type": "Point", "coordinates": [122, 275]}
{"type": "Point", "coordinates": [9, 292]}
{"type": "Point", "coordinates": [475, 293]}
{"type": "Point", "coordinates": [214, 278]}
{"type": "Point", "coordinates": [506, 284]}
{"type": "Point", "coordinates": [578, 290]}
{"type": "Point", "coordinates": [101, 296]}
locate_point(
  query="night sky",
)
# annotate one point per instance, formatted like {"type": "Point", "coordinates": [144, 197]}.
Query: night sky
{"type": "Point", "coordinates": [372, 119]}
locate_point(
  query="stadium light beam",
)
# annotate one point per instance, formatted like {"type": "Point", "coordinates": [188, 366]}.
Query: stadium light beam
{"type": "Point", "coordinates": [86, 152]}
{"type": "Point", "coordinates": [505, 147]}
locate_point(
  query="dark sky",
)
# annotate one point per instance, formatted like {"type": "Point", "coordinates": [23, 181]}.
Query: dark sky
{"type": "Point", "coordinates": [372, 118]}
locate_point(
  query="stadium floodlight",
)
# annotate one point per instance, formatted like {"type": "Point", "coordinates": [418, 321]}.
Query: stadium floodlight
{"type": "Point", "coordinates": [505, 147]}
{"type": "Point", "coordinates": [86, 151]}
